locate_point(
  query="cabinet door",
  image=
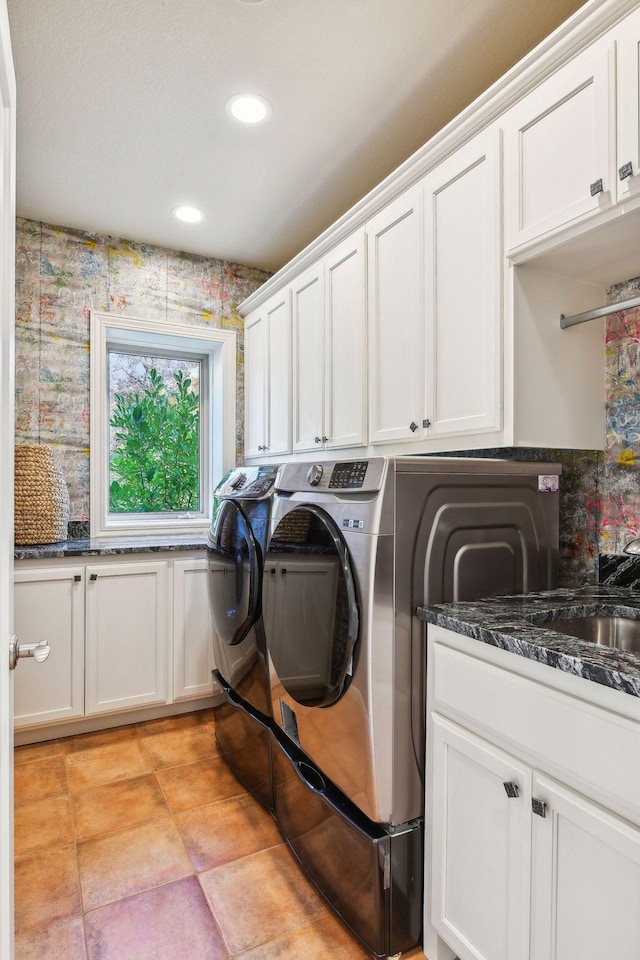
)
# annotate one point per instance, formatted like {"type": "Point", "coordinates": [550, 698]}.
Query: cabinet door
{"type": "Point", "coordinates": [256, 378]}
{"type": "Point", "coordinates": [585, 879]}
{"type": "Point", "coordinates": [49, 605]}
{"type": "Point", "coordinates": [278, 440]}
{"type": "Point", "coordinates": [480, 846]}
{"type": "Point", "coordinates": [463, 288]}
{"type": "Point", "coordinates": [345, 411]}
{"type": "Point", "coordinates": [396, 320]}
{"type": "Point", "coordinates": [559, 144]}
{"type": "Point", "coordinates": [628, 94]}
{"type": "Point", "coordinates": [308, 360]}
{"type": "Point", "coordinates": [126, 636]}
{"type": "Point", "coordinates": [192, 630]}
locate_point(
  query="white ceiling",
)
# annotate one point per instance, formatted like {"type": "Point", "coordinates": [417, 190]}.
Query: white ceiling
{"type": "Point", "coordinates": [121, 108]}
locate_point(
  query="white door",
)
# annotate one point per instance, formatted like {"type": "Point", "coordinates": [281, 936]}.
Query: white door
{"type": "Point", "coordinates": [345, 365]}
{"type": "Point", "coordinates": [628, 97]}
{"type": "Point", "coordinates": [585, 878]}
{"type": "Point", "coordinates": [278, 440]}
{"type": "Point", "coordinates": [481, 811]}
{"type": "Point", "coordinates": [255, 383]}
{"type": "Point", "coordinates": [308, 360]}
{"type": "Point", "coordinates": [126, 636]}
{"type": "Point", "coordinates": [395, 265]}
{"type": "Point", "coordinates": [559, 149]}
{"type": "Point", "coordinates": [462, 226]}
{"type": "Point", "coordinates": [192, 630]}
{"type": "Point", "coordinates": [7, 281]}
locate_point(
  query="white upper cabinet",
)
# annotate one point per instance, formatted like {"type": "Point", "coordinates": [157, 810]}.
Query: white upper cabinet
{"type": "Point", "coordinates": [308, 359]}
{"type": "Point", "coordinates": [329, 350]}
{"type": "Point", "coordinates": [345, 394]}
{"type": "Point", "coordinates": [463, 256]}
{"type": "Point", "coordinates": [560, 149]}
{"type": "Point", "coordinates": [628, 94]}
{"type": "Point", "coordinates": [267, 357]}
{"type": "Point", "coordinates": [396, 272]}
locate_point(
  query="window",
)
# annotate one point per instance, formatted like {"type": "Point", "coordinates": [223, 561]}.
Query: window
{"type": "Point", "coordinates": [162, 423]}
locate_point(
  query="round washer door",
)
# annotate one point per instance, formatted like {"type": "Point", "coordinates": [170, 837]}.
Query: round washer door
{"type": "Point", "coordinates": [310, 607]}
{"type": "Point", "coordinates": [235, 571]}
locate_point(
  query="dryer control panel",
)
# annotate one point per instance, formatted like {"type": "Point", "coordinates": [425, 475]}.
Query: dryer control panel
{"type": "Point", "coordinates": [333, 476]}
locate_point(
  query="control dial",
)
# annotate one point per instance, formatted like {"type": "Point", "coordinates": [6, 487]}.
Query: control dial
{"type": "Point", "coordinates": [314, 474]}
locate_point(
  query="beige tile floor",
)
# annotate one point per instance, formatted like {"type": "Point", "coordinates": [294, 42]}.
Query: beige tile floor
{"type": "Point", "coordinates": [139, 844]}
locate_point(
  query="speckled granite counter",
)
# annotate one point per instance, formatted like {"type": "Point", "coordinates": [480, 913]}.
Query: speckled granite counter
{"type": "Point", "coordinates": [111, 546]}
{"type": "Point", "coordinates": [517, 624]}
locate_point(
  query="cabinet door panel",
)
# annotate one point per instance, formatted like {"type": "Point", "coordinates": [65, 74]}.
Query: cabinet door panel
{"type": "Point", "coordinates": [49, 605]}
{"type": "Point", "coordinates": [126, 638]}
{"type": "Point", "coordinates": [255, 384]}
{"type": "Point", "coordinates": [558, 143]}
{"type": "Point", "coordinates": [585, 879]}
{"type": "Point", "coordinates": [396, 319]}
{"type": "Point", "coordinates": [480, 841]}
{"type": "Point", "coordinates": [308, 359]}
{"type": "Point", "coordinates": [346, 344]}
{"type": "Point", "coordinates": [628, 93]}
{"type": "Point", "coordinates": [278, 439]}
{"type": "Point", "coordinates": [463, 290]}
{"type": "Point", "coordinates": [192, 630]}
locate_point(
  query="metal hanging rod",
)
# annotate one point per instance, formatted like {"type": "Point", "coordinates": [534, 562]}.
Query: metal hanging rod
{"type": "Point", "coordinates": [600, 312]}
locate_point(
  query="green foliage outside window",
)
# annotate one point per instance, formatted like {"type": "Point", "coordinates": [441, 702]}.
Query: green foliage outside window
{"type": "Point", "coordinates": [155, 457]}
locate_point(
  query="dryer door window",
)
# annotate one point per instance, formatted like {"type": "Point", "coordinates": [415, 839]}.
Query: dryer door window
{"type": "Point", "coordinates": [310, 607]}
{"type": "Point", "coordinates": [234, 573]}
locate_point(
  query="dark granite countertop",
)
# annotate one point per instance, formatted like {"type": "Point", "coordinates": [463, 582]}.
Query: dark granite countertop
{"type": "Point", "coordinates": [517, 624]}
{"type": "Point", "coordinates": [111, 546]}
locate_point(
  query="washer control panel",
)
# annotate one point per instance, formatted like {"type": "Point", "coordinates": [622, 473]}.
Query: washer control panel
{"type": "Point", "coordinates": [349, 475]}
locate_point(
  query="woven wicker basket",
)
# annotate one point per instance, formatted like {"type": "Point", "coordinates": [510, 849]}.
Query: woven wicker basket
{"type": "Point", "coordinates": [41, 495]}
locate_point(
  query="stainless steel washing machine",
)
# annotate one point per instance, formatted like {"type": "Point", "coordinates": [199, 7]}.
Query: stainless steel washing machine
{"type": "Point", "coordinates": [355, 547]}
{"type": "Point", "coordinates": [236, 548]}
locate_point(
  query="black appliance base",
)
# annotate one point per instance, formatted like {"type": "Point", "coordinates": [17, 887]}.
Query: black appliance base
{"type": "Point", "coordinates": [243, 737]}
{"type": "Point", "coordinates": [372, 877]}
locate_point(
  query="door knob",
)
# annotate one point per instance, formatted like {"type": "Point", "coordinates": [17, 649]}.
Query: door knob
{"type": "Point", "coordinates": [39, 651]}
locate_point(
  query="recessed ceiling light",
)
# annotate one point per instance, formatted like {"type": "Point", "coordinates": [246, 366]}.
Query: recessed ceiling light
{"type": "Point", "coordinates": [248, 108]}
{"type": "Point", "coordinates": [188, 214]}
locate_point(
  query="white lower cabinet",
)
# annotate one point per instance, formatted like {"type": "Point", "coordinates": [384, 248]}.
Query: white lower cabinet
{"type": "Point", "coordinates": [480, 845]}
{"type": "Point", "coordinates": [49, 605]}
{"type": "Point", "coordinates": [585, 878]}
{"type": "Point", "coordinates": [192, 630]}
{"type": "Point", "coordinates": [521, 863]}
{"type": "Point", "coordinates": [126, 636]}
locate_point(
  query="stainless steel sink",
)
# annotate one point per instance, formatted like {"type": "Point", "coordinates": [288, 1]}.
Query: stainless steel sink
{"type": "Point", "coordinates": [617, 632]}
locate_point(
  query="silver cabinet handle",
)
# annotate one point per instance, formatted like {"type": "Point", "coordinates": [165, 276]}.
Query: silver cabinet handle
{"type": "Point", "coordinates": [511, 789]}
{"type": "Point", "coordinates": [539, 807]}
{"type": "Point", "coordinates": [596, 187]}
{"type": "Point", "coordinates": [626, 170]}
{"type": "Point", "coordinates": [39, 651]}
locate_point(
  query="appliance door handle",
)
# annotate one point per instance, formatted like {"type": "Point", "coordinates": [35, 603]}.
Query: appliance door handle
{"type": "Point", "coordinates": [311, 777]}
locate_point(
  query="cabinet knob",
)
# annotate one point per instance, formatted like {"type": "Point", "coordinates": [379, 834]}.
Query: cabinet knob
{"type": "Point", "coordinates": [426, 423]}
{"type": "Point", "coordinates": [93, 576]}
{"type": "Point", "coordinates": [511, 789]}
{"type": "Point", "coordinates": [413, 426]}
{"type": "Point", "coordinates": [324, 439]}
{"type": "Point", "coordinates": [317, 439]}
{"type": "Point", "coordinates": [626, 170]}
{"type": "Point", "coordinates": [596, 187]}
{"type": "Point", "coordinates": [77, 578]}
{"type": "Point", "coordinates": [539, 807]}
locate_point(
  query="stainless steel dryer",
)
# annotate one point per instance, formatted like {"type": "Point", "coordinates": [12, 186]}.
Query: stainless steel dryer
{"type": "Point", "coordinates": [355, 548]}
{"type": "Point", "coordinates": [236, 547]}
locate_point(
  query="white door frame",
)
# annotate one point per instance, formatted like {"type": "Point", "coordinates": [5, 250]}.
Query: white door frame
{"type": "Point", "coordinates": [7, 324]}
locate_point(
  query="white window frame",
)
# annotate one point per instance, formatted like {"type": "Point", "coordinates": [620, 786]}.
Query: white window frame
{"type": "Point", "coordinates": [219, 446]}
